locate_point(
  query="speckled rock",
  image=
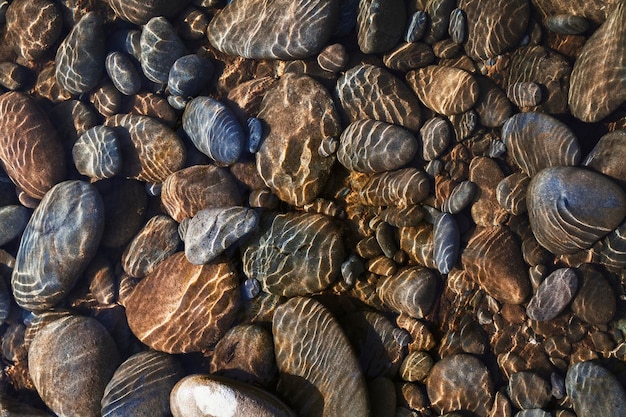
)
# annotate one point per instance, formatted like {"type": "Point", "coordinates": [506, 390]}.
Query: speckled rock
{"type": "Point", "coordinates": [596, 84]}
{"type": "Point", "coordinates": [369, 92]}
{"type": "Point", "coordinates": [30, 150]}
{"type": "Point", "coordinates": [59, 241]}
{"type": "Point", "coordinates": [33, 27]}
{"type": "Point", "coordinates": [288, 159]}
{"type": "Point", "coordinates": [156, 241]}
{"type": "Point", "coordinates": [594, 391]}
{"type": "Point", "coordinates": [159, 306]}
{"type": "Point", "coordinates": [211, 396]}
{"type": "Point", "coordinates": [141, 385]}
{"type": "Point", "coordinates": [460, 382]}
{"type": "Point", "coordinates": [444, 90]}
{"type": "Point", "coordinates": [214, 130]}
{"type": "Point", "coordinates": [70, 361]}
{"type": "Point", "coordinates": [537, 141]}
{"type": "Point", "coordinates": [150, 150]}
{"type": "Point", "coordinates": [380, 24]}
{"type": "Point", "coordinates": [246, 354]}
{"type": "Point", "coordinates": [494, 260]}
{"type": "Point", "coordinates": [300, 253]}
{"type": "Point", "coordinates": [273, 30]}
{"type": "Point", "coordinates": [160, 48]}
{"type": "Point", "coordinates": [410, 291]}
{"type": "Point", "coordinates": [211, 231]}
{"type": "Point", "coordinates": [494, 26]}
{"type": "Point", "coordinates": [561, 199]}
{"type": "Point", "coordinates": [80, 57]}
{"type": "Point", "coordinates": [317, 368]}
{"type": "Point", "coordinates": [195, 188]}
{"type": "Point", "coordinates": [373, 146]}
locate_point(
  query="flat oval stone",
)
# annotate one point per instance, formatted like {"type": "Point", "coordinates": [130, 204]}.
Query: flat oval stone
{"type": "Point", "coordinates": [71, 360]}
{"type": "Point", "coordinates": [596, 85]}
{"type": "Point", "coordinates": [408, 56]}
{"type": "Point", "coordinates": [246, 354]}
{"type": "Point", "coordinates": [214, 130]}
{"type": "Point", "coordinates": [544, 67]}
{"type": "Point", "coordinates": [410, 291]}
{"type": "Point", "coordinates": [416, 366]}
{"type": "Point", "coordinates": [608, 155]}
{"type": "Point", "coordinates": [160, 48]}
{"type": "Point", "coordinates": [106, 99]}
{"type": "Point", "coordinates": [380, 24]}
{"type": "Point", "coordinates": [403, 187]}
{"type": "Point", "coordinates": [445, 90]}
{"type": "Point", "coordinates": [373, 146]}
{"type": "Point", "coordinates": [416, 28]}
{"type": "Point", "coordinates": [30, 150]}
{"type": "Point", "coordinates": [97, 154]}
{"type": "Point", "coordinates": [369, 92]}
{"type": "Point", "coordinates": [211, 396]}
{"type": "Point", "coordinates": [280, 29]}
{"type": "Point", "coordinates": [155, 242]}
{"type": "Point", "coordinates": [594, 391]}
{"type": "Point", "coordinates": [80, 57]}
{"type": "Point", "coordinates": [159, 306]}
{"type": "Point", "coordinates": [13, 220]}
{"type": "Point", "coordinates": [317, 367]}
{"type": "Point", "coordinates": [494, 26]}
{"type": "Point", "coordinates": [150, 150]}
{"type": "Point", "coordinates": [537, 141]}
{"type": "Point", "coordinates": [188, 75]}
{"type": "Point", "coordinates": [34, 27]}
{"type": "Point", "coordinates": [447, 242]}
{"type": "Point", "coordinates": [333, 58]}
{"type": "Point", "coordinates": [300, 253]}
{"type": "Point", "coordinates": [493, 259]}
{"type": "Point", "coordinates": [123, 73]}
{"type": "Point", "coordinates": [528, 390]}
{"type": "Point", "coordinates": [511, 193]}
{"type": "Point", "coordinates": [460, 382]}
{"type": "Point", "coordinates": [141, 385]}
{"type": "Point", "coordinates": [435, 134]}
{"type": "Point", "coordinates": [460, 197]}
{"type": "Point", "coordinates": [567, 24]}
{"type": "Point", "coordinates": [524, 93]}
{"type": "Point", "coordinates": [211, 231]}
{"type": "Point", "coordinates": [299, 113]}
{"type": "Point", "coordinates": [553, 295]}
{"type": "Point", "coordinates": [612, 251]}
{"type": "Point", "coordinates": [140, 12]}
{"type": "Point", "coordinates": [571, 208]}
{"type": "Point", "coordinates": [458, 26]}
{"type": "Point", "coordinates": [60, 239]}
{"type": "Point", "coordinates": [195, 188]}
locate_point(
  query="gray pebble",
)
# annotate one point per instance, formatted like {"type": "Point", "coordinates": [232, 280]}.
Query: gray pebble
{"type": "Point", "coordinates": [97, 153]}
{"type": "Point", "coordinates": [460, 197]}
{"type": "Point", "coordinates": [351, 269]}
{"type": "Point", "coordinates": [123, 73]}
{"type": "Point", "coordinates": [188, 75]}
{"type": "Point", "coordinates": [13, 220]}
{"type": "Point", "coordinates": [558, 385]}
{"type": "Point", "coordinates": [447, 242]}
{"type": "Point", "coordinates": [594, 391]}
{"type": "Point", "coordinates": [160, 48]}
{"type": "Point", "coordinates": [553, 295]}
{"type": "Point", "coordinates": [255, 134]}
{"type": "Point", "coordinates": [458, 26]}
{"type": "Point", "coordinates": [436, 134]}
{"type": "Point", "coordinates": [529, 390]}
{"type": "Point", "coordinates": [416, 28]}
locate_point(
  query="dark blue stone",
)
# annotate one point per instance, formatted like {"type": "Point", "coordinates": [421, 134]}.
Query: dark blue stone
{"type": "Point", "coordinates": [255, 134]}
{"type": "Point", "coordinates": [188, 75]}
{"type": "Point", "coordinates": [123, 73]}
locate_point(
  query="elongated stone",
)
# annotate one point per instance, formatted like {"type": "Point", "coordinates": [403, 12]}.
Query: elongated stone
{"type": "Point", "coordinates": [70, 361]}
{"type": "Point", "coordinates": [317, 367]}
{"type": "Point", "coordinates": [211, 231]}
{"type": "Point", "coordinates": [59, 241]}
{"type": "Point", "coordinates": [411, 291]}
{"type": "Point", "coordinates": [438, 12]}
{"type": "Point", "coordinates": [142, 385]}
{"type": "Point", "coordinates": [300, 114]}
{"type": "Point", "coordinates": [380, 24]}
{"type": "Point", "coordinates": [150, 150]}
{"type": "Point", "coordinates": [369, 92]}
{"type": "Point", "coordinates": [567, 24]}
{"type": "Point", "coordinates": [155, 242]}
{"type": "Point", "coordinates": [123, 73]}
{"type": "Point", "coordinates": [160, 48]}
{"type": "Point", "coordinates": [571, 208]}
{"type": "Point", "coordinates": [403, 187]}
{"type": "Point", "coordinates": [195, 188]}
{"type": "Point", "coordinates": [409, 56]}
{"type": "Point", "coordinates": [214, 130]}
{"type": "Point", "coordinates": [30, 150]}
{"type": "Point", "coordinates": [537, 141]}
{"type": "Point", "coordinates": [435, 134]}
{"type": "Point", "coordinates": [159, 306]}
{"type": "Point", "coordinates": [80, 57]}
{"type": "Point", "coordinates": [209, 395]}
{"type": "Point", "coordinates": [460, 197]}
{"type": "Point", "coordinates": [447, 242]}
{"type": "Point", "coordinates": [494, 260]}
{"type": "Point", "coordinates": [279, 29]}
{"type": "Point", "coordinates": [596, 84]}
{"type": "Point", "coordinates": [444, 90]}
{"type": "Point", "coordinates": [299, 254]}
{"type": "Point", "coordinates": [553, 295]}
{"type": "Point", "coordinates": [373, 146]}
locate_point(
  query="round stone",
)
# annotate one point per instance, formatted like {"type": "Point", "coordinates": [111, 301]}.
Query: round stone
{"type": "Point", "coordinates": [594, 391]}
{"type": "Point", "coordinates": [71, 360]}
{"type": "Point", "coordinates": [571, 208]}
{"type": "Point", "coordinates": [97, 153]}
{"type": "Point", "coordinates": [410, 291]}
{"type": "Point", "coordinates": [416, 366]}
{"type": "Point", "coordinates": [188, 75]}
